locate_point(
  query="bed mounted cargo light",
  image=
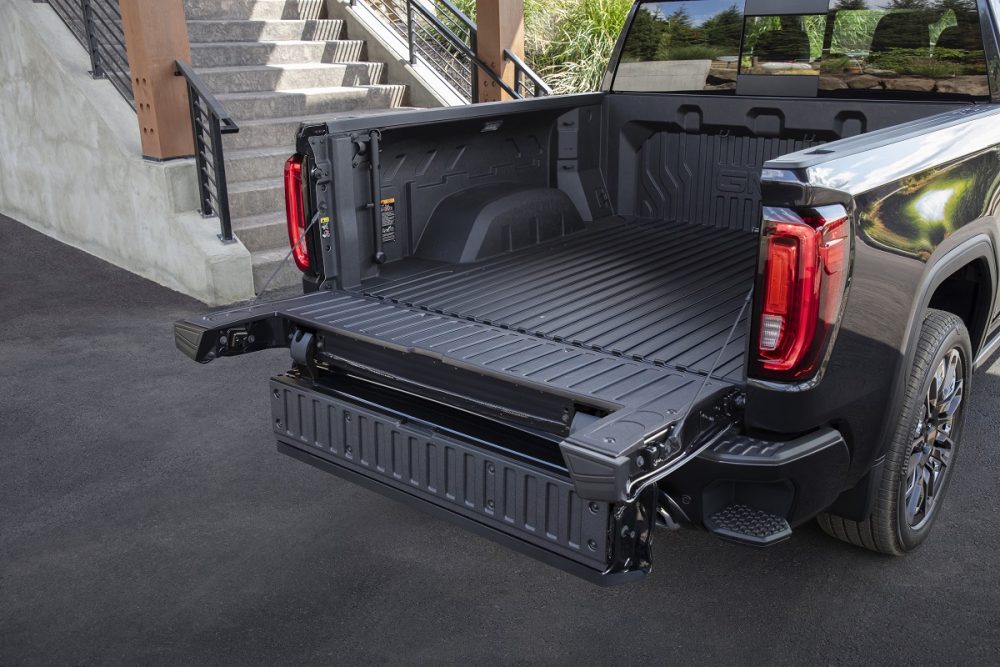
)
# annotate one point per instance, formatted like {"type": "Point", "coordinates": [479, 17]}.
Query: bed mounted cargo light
{"type": "Point", "coordinates": [295, 212]}
{"type": "Point", "coordinates": [802, 285]}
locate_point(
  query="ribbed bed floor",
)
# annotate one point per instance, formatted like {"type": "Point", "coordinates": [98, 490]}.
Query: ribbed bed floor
{"type": "Point", "coordinates": [664, 293]}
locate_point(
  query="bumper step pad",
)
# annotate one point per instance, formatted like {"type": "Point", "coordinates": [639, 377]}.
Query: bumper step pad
{"type": "Point", "coordinates": [747, 525]}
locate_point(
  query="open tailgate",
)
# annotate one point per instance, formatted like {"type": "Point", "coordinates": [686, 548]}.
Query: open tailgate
{"type": "Point", "coordinates": [580, 435]}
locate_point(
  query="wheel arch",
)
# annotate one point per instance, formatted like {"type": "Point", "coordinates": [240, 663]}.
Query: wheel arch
{"type": "Point", "coordinates": [968, 292]}
{"type": "Point", "coordinates": [977, 251]}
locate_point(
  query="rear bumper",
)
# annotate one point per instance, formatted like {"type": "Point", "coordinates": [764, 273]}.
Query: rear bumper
{"type": "Point", "coordinates": [470, 482]}
{"type": "Point", "coordinates": [795, 479]}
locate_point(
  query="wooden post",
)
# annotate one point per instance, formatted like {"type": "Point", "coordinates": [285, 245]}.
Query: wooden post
{"type": "Point", "coordinates": [500, 25]}
{"type": "Point", "coordinates": [155, 36]}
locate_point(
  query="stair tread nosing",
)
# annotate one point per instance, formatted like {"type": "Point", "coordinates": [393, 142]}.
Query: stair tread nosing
{"type": "Point", "coordinates": [254, 186]}
{"type": "Point", "coordinates": [274, 42]}
{"type": "Point", "coordinates": [260, 220]}
{"type": "Point", "coordinates": [223, 69]}
{"type": "Point", "coordinates": [259, 152]}
{"type": "Point", "coordinates": [328, 90]}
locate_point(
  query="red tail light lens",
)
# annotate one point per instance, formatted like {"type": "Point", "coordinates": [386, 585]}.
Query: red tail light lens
{"type": "Point", "coordinates": [806, 255]}
{"type": "Point", "coordinates": [295, 212]}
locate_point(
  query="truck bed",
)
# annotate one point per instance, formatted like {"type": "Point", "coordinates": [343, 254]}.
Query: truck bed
{"type": "Point", "coordinates": [621, 321]}
{"type": "Point", "coordinates": [660, 293]}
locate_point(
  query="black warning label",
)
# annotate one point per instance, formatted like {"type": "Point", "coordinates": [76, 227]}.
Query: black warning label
{"type": "Point", "coordinates": [388, 220]}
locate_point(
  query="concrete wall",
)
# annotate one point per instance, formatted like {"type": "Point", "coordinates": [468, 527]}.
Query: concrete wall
{"type": "Point", "coordinates": [425, 88]}
{"type": "Point", "coordinates": [71, 167]}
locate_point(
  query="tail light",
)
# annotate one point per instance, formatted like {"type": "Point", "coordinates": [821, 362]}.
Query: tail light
{"type": "Point", "coordinates": [804, 277]}
{"type": "Point", "coordinates": [295, 212]}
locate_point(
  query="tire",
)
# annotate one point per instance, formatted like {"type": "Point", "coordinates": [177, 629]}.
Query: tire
{"type": "Point", "coordinates": [921, 455]}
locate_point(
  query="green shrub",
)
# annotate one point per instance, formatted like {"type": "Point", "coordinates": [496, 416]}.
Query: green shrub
{"type": "Point", "coordinates": [934, 69]}
{"type": "Point", "coordinates": [583, 37]}
{"type": "Point", "coordinates": [915, 61]}
{"type": "Point", "coordinates": [836, 64]}
{"type": "Point", "coordinates": [568, 42]}
{"type": "Point", "coordinates": [693, 52]}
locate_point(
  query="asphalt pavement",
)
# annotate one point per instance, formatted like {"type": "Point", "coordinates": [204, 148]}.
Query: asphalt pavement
{"type": "Point", "coordinates": [145, 517]}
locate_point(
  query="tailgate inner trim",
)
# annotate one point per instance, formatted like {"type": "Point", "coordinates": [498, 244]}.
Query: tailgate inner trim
{"type": "Point", "coordinates": [533, 506]}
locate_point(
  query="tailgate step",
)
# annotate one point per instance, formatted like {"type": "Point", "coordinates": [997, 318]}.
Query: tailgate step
{"type": "Point", "coordinates": [748, 525]}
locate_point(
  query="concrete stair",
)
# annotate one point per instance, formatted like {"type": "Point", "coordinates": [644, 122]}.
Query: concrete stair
{"type": "Point", "coordinates": [310, 101]}
{"type": "Point", "coordinates": [245, 10]}
{"type": "Point", "coordinates": [229, 30]}
{"type": "Point", "coordinates": [291, 77]}
{"type": "Point", "coordinates": [274, 65]}
{"type": "Point", "coordinates": [233, 54]}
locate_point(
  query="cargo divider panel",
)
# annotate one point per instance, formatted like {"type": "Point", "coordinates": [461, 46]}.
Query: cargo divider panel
{"type": "Point", "coordinates": [532, 506]}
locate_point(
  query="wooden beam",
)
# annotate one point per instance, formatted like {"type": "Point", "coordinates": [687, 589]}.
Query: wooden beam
{"type": "Point", "coordinates": [500, 25]}
{"type": "Point", "coordinates": [156, 36]}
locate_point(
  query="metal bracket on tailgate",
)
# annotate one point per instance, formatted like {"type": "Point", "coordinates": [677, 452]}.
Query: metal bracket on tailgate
{"type": "Point", "coordinates": [620, 456]}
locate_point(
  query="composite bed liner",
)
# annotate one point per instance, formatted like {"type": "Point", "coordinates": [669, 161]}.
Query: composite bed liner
{"type": "Point", "coordinates": [662, 293]}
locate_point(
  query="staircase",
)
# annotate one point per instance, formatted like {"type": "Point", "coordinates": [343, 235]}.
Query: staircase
{"type": "Point", "coordinates": [275, 64]}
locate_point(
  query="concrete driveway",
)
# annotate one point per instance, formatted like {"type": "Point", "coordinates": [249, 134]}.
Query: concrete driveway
{"type": "Point", "coordinates": [146, 517]}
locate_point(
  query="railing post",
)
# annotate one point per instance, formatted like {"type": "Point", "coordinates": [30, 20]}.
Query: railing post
{"type": "Point", "coordinates": [499, 26]}
{"type": "Point", "coordinates": [156, 37]}
{"type": "Point", "coordinates": [409, 31]}
{"type": "Point", "coordinates": [204, 196]}
{"type": "Point", "coordinates": [474, 44]}
{"type": "Point", "coordinates": [222, 188]}
{"type": "Point", "coordinates": [88, 29]}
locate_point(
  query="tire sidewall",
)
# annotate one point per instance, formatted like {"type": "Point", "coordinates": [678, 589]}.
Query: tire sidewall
{"type": "Point", "coordinates": [958, 338]}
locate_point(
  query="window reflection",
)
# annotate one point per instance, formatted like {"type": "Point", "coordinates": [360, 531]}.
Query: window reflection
{"type": "Point", "coordinates": [692, 45]}
{"type": "Point", "coordinates": [861, 47]}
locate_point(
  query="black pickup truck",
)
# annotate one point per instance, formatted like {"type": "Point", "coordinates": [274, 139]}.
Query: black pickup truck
{"type": "Point", "coordinates": [744, 286]}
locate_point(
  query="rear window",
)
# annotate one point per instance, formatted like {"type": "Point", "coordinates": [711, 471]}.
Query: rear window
{"type": "Point", "coordinates": [856, 48]}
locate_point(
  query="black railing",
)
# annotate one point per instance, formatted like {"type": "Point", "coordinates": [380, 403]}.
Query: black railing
{"type": "Point", "coordinates": [97, 24]}
{"type": "Point", "coordinates": [526, 82]}
{"type": "Point", "coordinates": [442, 37]}
{"type": "Point", "coordinates": [209, 121]}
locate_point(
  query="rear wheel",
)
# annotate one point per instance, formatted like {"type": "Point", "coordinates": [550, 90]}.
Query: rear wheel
{"type": "Point", "coordinates": [921, 456]}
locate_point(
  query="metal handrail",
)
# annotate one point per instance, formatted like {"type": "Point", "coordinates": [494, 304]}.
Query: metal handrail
{"type": "Point", "coordinates": [446, 40]}
{"type": "Point", "coordinates": [97, 25]}
{"type": "Point", "coordinates": [465, 49]}
{"type": "Point", "coordinates": [538, 87]}
{"type": "Point", "coordinates": [209, 121]}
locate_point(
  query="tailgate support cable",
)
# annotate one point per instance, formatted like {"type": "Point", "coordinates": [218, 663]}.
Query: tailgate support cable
{"type": "Point", "coordinates": [636, 486]}
{"type": "Point", "coordinates": [281, 264]}
{"type": "Point", "coordinates": [718, 357]}
{"type": "Point", "coordinates": [679, 426]}
{"type": "Point", "coordinates": [715, 364]}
